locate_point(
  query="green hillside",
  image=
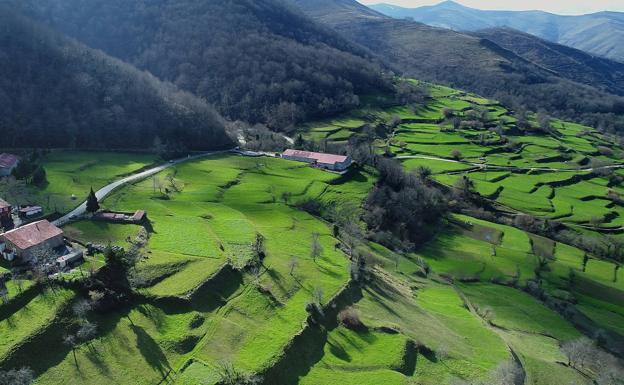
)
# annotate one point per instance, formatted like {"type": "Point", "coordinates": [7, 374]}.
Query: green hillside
{"type": "Point", "coordinates": [249, 273]}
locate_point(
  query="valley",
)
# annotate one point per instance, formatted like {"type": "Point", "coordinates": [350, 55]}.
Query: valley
{"type": "Point", "coordinates": [313, 192]}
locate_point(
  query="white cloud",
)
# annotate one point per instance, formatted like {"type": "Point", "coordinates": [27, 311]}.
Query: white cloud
{"type": "Point", "coordinates": [569, 7]}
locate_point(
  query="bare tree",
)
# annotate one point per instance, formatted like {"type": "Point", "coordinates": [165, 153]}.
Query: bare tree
{"type": "Point", "coordinates": [317, 295]}
{"type": "Point", "coordinates": [23, 376]}
{"type": "Point", "coordinates": [293, 264]}
{"type": "Point", "coordinates": [316, 249]}
{"type": "Point", "coordinates": [87, 331]}
{"type": "Point", "coordinates": [81, 308]}
{"type": "Point", "coordinates": [507, 373]}
{"type": "Point", "coordinates": [442, 353]}
{"type": "Point", "coordinates": [578, 351]}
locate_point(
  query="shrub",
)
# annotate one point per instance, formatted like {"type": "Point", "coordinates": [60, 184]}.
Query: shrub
{"type": "Point", "coordinates": [350, 319]}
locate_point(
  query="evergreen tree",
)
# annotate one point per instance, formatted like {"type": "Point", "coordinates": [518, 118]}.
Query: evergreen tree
{"type": "Point", "coordinates": [39, 176]}
{"type": "Point", "coordinates": [92, 202]}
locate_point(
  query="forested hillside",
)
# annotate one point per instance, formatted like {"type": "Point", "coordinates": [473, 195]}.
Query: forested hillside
{"type": "Point", "coordinates": [564, 61]}
{"type": "Point", "coordinates": [255, 60]}
{"type": "Point", "coordinates": [467, 62]}
{"type": "Point", "coordinates": [57, 93]}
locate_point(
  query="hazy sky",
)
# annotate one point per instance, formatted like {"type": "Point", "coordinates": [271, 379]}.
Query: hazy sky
{"type": "Point", "coordinates": [555, 6]}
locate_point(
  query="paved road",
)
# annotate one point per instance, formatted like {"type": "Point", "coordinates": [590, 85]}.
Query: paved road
{"type": "Point", "coordinates": [494, 167]}
{"type": "Point", "coordinates": [106, 190]}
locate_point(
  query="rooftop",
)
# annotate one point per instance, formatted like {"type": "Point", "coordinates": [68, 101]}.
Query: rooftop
{"type": "Point", "coordinates": [4, 204]}
{"type": "Point", "coordinates": [317, 156]}
{"type": "Point", "coordinates": [8, 160]}
{"type": "Point", "coordinates": [32, 234]}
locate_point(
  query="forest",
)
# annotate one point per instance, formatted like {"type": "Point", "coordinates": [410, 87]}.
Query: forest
{"type": "Point", "coordinates": [55, 92]}
{"type": "Point", "coordinates": [258, 61]}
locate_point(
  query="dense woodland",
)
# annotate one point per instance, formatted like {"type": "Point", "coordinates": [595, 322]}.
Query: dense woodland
{"type": "Point", "coordinates": [254, 60]}
{"type": "Point", "coordinates": [57, 93]}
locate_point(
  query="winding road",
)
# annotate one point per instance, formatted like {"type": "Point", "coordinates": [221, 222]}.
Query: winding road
{"type": "Point", "coordinates": [106, 190]}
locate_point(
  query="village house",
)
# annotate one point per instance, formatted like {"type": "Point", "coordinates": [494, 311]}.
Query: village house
{"type": "Point", "coordinates": [8, 162]}
{"type": "Point", "coordinates": [327, 161]}
{"type": "Point", "coordinates": [29, 242]}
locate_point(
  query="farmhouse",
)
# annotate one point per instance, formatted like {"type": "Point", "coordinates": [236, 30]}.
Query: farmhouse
{"type": "Point", "coordinates": [326, 161]}
{"type": "Point", "coordinates": [8, 162]}
{"type": "Point", "coordinates": [30, 242]}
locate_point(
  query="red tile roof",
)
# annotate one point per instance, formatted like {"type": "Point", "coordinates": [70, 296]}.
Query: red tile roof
{"type": "Point", "coordinates": [4, 204]}
{"type": "Point", "coordinates": [8, 160]}
{"type": "Point", "coordinates": [317, 156]}
{"type": "Point", "coordinates": [32, 234]}
{"type": "Point", "coordinates": [139, 215]}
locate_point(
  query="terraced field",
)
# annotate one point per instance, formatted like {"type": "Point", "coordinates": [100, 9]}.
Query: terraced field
{"type": "Point", "coordinates": [201, 239]}
{"type": "Point", "coordinates": [454, 309]}
{"type": "Point", "coordinates": [550, 175]}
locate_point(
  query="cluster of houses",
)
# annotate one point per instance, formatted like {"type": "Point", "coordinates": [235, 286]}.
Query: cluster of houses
{"type": "Point", "coordinates": [38, 242]}
{"type": "Point", "coordinates": [338, 163]}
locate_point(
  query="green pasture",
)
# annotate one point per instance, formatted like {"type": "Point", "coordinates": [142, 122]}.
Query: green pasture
{"type": "Point", "coordinates": [103, 233]}
{"type": "Point", "coordinates": [223, 203]}
{"type": "Point", "coordinates": [75, 173]}
{"type": "Point", "coordinates": [38, 314]}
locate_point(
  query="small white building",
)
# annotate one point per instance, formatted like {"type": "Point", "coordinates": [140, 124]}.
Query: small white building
{"type": "Point", "coordinates": [319, 159]}
{"type": "Point", "coordinates": [27, 212]}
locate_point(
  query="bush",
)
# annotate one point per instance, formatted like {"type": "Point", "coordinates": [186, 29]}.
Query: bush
{"type": "Point", "coordinates": [350, 319]}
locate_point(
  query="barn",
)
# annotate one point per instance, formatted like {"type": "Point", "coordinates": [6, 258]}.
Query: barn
{"type": "Point", "coordinates": [319, 159]}
{"type": "Point", "coordinates": [30, 242]}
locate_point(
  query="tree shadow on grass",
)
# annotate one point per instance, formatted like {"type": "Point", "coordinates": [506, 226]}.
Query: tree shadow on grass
{"type": "Point", "coordinates": [338, 351]}
{"type": "Point", "coordinates": [94, 356]}
{"type": "Point", "coordinates": [277, 278]}
{"type": "Point", "coordinates": [151, 351]}
{"type": "Point", "coordinates": [377, 294]}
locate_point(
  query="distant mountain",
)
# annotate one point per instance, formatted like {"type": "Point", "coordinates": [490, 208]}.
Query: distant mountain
{"type": "Point", "coordinates": [255, 60]}
{"type": "Point", "coordinates": [469, 62]}
{"type": "Point", "coordinates": [563, 61]}
{"type": "Point", "coordinates": [55, 92]}
{"type": "Point", "coordinates": [600, 33]}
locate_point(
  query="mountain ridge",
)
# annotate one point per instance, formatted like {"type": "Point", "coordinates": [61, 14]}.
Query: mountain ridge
{"type": "Point", "coordinates": [600, 33]}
